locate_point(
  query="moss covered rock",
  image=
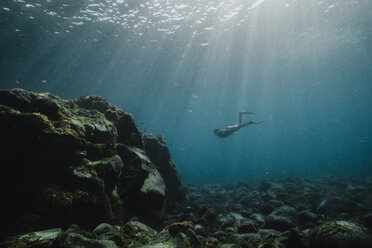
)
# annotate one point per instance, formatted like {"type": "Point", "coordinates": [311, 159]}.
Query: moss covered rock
{"type": "Point", "coordinates": [73, 161]}
{"type": "Point", "coordinates": [40, 239]}
{"type": "Point", "coordinates": [135, 230]}
{"type": "Point", "coordinates": [340, 234]}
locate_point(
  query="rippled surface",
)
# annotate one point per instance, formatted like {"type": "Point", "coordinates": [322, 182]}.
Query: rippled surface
{"type": "Point", "coordinates": [166, 16]}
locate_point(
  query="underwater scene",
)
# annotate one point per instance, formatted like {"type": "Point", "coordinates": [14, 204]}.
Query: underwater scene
{"type": "Point", "coordinates": [186, 124]}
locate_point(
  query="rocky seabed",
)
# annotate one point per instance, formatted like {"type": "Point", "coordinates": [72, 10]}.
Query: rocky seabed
{"type": "Point", "coordinates": [79, 173]}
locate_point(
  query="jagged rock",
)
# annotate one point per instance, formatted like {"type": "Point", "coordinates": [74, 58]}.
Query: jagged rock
{"type": "Point", "coordinates": [128, 133]}
{"type": "Point", "coordinates": [340, 234]}
{"type": "Point", "coordinates": [109, 169]}
{"type": "Point", "coordinates": [77, 161]}
{"type": "Point", "coordinates": [48, 181]}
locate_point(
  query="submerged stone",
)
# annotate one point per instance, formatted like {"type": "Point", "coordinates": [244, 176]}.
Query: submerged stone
{"type": "Point", "coordinates": [160, 245]}
{"type": "Point", "coordinates": [138, 231]}
{"type": "Point", "coordinates": [340, 234]}
{"type": "Point", "coordinates": [40, 239]}
{"type": "Point", "coordinates": [75, 240]}
{"type": "Point", "coordinates": [104, 228]}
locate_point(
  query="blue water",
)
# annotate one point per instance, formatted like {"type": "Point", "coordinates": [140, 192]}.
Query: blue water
{"type": "Point", "coordinates": [184, 68]}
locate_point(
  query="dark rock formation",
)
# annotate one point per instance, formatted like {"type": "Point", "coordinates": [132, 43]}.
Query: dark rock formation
{"type": "Point", "coordinates": [78, 161]}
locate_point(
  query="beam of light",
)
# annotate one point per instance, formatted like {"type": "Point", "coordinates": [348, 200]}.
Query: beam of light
{"type": "Point", "coordinates": [257, 3]}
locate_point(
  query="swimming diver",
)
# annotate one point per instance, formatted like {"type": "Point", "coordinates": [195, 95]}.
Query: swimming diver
{"type": "Point", "coordinates": [233, 129]}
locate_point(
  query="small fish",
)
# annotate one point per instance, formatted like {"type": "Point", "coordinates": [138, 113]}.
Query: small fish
{"type": "Point", "coordinates": [189, 110]}
{"type": "Point", "coordinates": [17, 82]}
{"type": "Point", "coordinates": [43, 81]}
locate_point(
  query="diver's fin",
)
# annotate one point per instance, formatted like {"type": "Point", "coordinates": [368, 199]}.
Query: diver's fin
{"type": "Point", "coordinates": [258, 122]}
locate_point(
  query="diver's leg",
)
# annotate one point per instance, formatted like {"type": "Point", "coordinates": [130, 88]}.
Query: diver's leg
{"type": "Point", "coordinates": [251, 122]}
{"type": "Point", "coordinates": [248, 113]}
{"type": "Point", "coordinates": [244, 112]}
{"type": "Point", "coordinates": [256, 122]}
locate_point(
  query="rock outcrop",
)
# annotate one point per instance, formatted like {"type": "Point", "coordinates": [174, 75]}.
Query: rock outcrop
{"type": "Point", "coordinates": [79, 161]}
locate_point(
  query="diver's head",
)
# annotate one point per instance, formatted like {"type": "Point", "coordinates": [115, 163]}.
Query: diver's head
{"type": "Point", "coordinates": [217, 130]}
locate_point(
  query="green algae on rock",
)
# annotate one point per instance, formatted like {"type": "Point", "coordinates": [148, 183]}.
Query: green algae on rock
{"type": "Point", "coordinates": [39, 239]}
{"type": "Point", "coordinates": [139, 232]}
{"type": "Point", "coordinates": [340, 234]}
{"type": "Point", "coordinates": [70, 161]}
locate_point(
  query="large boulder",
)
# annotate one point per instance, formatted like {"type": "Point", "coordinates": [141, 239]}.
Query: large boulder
{"type": "Point", "coordinates": [76, 161]}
